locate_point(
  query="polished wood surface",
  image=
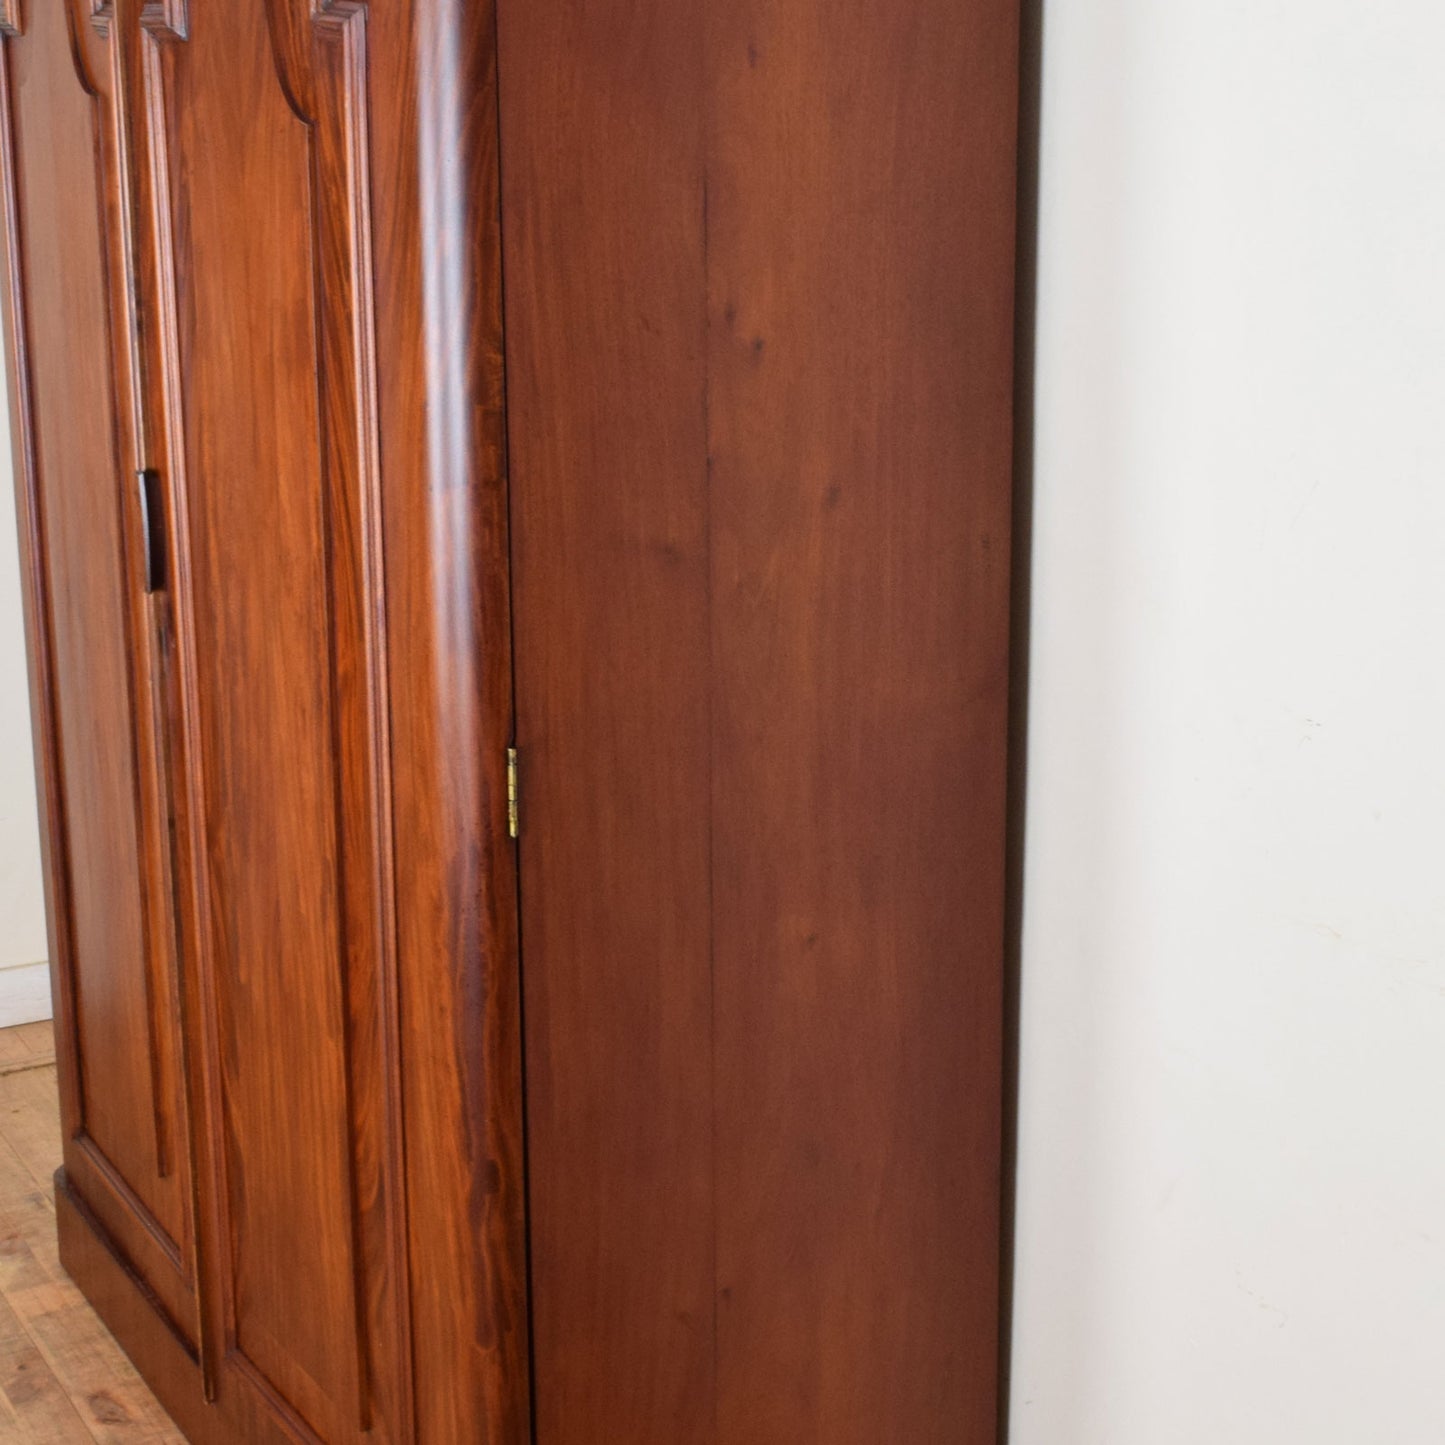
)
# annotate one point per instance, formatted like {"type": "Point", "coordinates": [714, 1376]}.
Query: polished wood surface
{"type": "Point", "coordinates": [715, 531]}
{"type": "Point", "coordinates": [69, 301]}
{"type": "Point", "coordinates": [272, 462]}
{"type": "Point", "coordinates": [272, 276]}
{"type": "Point", "coordinates": [439, 364]}
{"type": "Point", "coordinates": [860, 264]}
{"type": "Point", "coordinates": [603, 236]}
{"type": "Point", "coordinates": [759, 258]}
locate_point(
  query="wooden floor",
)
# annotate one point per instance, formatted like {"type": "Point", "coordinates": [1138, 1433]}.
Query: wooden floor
{"type": "Point", "coordinates": [62, 1377]}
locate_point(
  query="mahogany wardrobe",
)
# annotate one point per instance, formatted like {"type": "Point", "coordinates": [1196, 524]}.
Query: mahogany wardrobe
{"type": "Point", "coordinates": [515, 499]}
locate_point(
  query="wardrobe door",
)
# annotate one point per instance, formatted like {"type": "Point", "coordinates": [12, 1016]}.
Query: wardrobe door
{"type": "Point", "coordinates": [99, 637]}
{"type": "Point", "coordinates": [259, 132]}
{"type": "Point", "coordinates": [759, 286]}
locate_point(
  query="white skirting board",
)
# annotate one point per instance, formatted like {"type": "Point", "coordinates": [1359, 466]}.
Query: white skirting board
{"type": "Point", "coordinates": [24, 994]}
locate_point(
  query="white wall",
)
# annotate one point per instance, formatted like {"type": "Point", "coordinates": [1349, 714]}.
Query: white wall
{"type": "Point", "coordinates": [24, 985]}
{"type": "Point", "coordinates": [1232, 1161]}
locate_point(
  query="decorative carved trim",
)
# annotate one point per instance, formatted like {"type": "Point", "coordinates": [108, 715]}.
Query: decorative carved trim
{"type": "Point", "coordinates": [342, 154]}
{"type": "Point", "coordinates": [96, 51]}
{"type": "Point", "coordinates": [102, 13]}
{"type": "Point", "coordinates": [165, 19]}
{"type": "Point", "coordinates": [282, 63]}
{"type": "Point", "coordinates": [164, 22]}
{"type": "Point", "coordinates": [323, 82]}
{"type": "Point", "coordinates": [80, 58]}
{"type": "Point", "coordinates": [119, 1186]}
{"type": "Point", "coordinates": [107, 170]}
{"type": "Point", "coordinates": [103, 1178]}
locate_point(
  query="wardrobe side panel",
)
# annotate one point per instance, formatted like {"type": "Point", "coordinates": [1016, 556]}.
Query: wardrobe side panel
{"type": "Point", "coordinates": [861, 254]}
{"type": "Point", "coordinates": [759, 265]}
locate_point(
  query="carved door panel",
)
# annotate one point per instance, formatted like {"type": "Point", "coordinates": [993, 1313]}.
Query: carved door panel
{"type": "Point", "coordinates": [100, 644]}
{"type": "Point", "coordinates": [258, 131]}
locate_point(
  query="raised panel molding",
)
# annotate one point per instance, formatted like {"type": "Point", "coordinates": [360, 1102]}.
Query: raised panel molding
{"type": "Point", "coordinates": [166, 19]}
{"type": "Point", "coordinates": [319, 62]}
{"type": "Point", "coordinates": [125, 1194]}
{"type": "Point", "coordinates": [103, 65]}
{"type": "Point", "coordinates": [387, 1230]}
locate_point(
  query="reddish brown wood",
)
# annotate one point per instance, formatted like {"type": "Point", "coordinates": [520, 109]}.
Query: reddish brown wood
{"type": "Point", "coordinates": [269, 644]}
{"type": "Point", "coordinates": [861, 197]}
{"type": "Point", "coordinates": [752, 582]}
{"type": "Point", "coordinates": [603, 207]}
{"type": "Point", "coordinates": [70, 302]}
{"type": "Point", "coordinates": [121, 1297]}
{"type": "Point", "coordinates": [289, 202]}
{"type": "Point", "coordinates": [304, 226]}
{"type": "Point", "coordinates": [759, 305]}
{"type": "Point", "coordinates": [439, 356]}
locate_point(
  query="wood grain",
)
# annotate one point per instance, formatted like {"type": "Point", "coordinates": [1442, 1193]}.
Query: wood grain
{"type": "Point", "coordinates": [439, 362]}
{"type": "Point", "coordinates": [300, 217]}
{"type": "Point", "coordinates": [272, 419]}
{"type": "Point", "coordinates": [861, 192]}
{"type": "Point", "coordinates": [80, 493]}
{"type": "Point", "coordinates": [34, 1398]}
{"type": "Point", "coordinates": [727, 508]}
{"type": "Point", "coordinates": [759, 309]}
{"type": "Point", "coordinates": [26, 1046]}
{"type": "Point", "coordinates": [603, 210]}
{"type": "Point", "coordinates": [251, 572]}
{"type": "Point", "coordinates": [68, 302]}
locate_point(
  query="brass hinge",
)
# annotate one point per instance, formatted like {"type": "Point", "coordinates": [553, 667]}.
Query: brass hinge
{"type": "Point", "coordinates": [513, 828]}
